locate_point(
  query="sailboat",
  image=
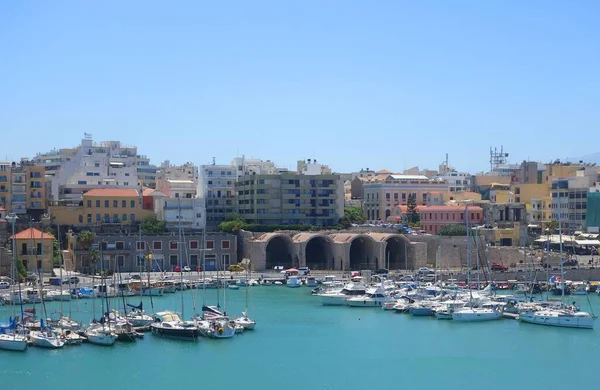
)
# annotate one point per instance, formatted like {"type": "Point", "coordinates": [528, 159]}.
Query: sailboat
{"type": "Point", "coordinates": [474, 314]}
{"type": "Point", "coordinates": [10, 339]}
{"type": "Point", "coordinates": [46, 338]}
{"type": "Point", "coordinates": [137, 317]}
{"type": "Point", "coordinates": [566, 316]}
{"type": "Point", "coordinates": [244, 321]}
{"type": "Point", "coordinates": [168, 324]}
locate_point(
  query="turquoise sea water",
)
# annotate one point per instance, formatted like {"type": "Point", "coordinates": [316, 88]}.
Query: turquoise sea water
{"type": "Point", "coordinates": [299, 344]}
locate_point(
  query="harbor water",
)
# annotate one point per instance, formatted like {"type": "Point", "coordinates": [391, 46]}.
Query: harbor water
{"type": "Point", "coordinates": [300, 344]}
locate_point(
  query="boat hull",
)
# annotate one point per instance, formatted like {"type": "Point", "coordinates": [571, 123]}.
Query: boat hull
{"type": "Point", "coordinates": [363, 303]}
{"type": "Point", "coordinates": [105, 339]}
{"type": "Point", "coordinates": [333, 300]}
{"type": "Point", "coordinates": [13, 343]}
{"type": "Point", "coordinates": [421, 311]}
{"type": "Point", "coordinates": [562, 322]}
{"type": "Point", "coordinates": [46, 342]}
{"type": "Point", "coordinates": [176, 334]}
{"type": "Point", "coordinates": [476, 316]}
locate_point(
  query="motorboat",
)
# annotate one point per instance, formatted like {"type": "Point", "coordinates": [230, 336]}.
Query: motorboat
{"type": "Point", "coordinates": [311, 281]}
{"type": "Point", "coordinates": [293, 281]}
{"type": "Point", "coordinates": [423, 308]}
{"type": "Point", "coordinates": [13, 342]}
{"type": "Point", "coordinates": [46, 339]}
{"type": "Point", "coordinates": [83, 293]}
{"type": "Point", "coordinates": [445, 310]}
{"type": "Point", "coordinates": [339, 297]}
{"type": "Point", "coordinates": [477, 314]}
{"type": "Point", "coordinates": [100, 335]}
{"type": "Point", "coordinates": [578, 288]}
{"type": "Point", "coordinates": [58, 296]}
{"type": "Point", "coordinates": [403, 304]}
{"type": "Point", "coordinates": [563, 317]}
{"type": "Point", "coordinates": [153, 291]}
{"type": "Point", "coordinates": [168, 324]}
{"type": "Point", "coordinates": [234, 287]}
{"type": "Point", "coordinates": [374, 297]}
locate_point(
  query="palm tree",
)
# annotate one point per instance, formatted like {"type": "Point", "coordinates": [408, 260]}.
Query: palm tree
{"type": "Point", "coordinates": [85, 239]}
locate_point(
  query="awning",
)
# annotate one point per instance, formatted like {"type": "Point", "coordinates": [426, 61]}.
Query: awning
{"type": "Point", "coordinates": [533, 226]}
{"type": "Point", "coordinates": [587, 242]}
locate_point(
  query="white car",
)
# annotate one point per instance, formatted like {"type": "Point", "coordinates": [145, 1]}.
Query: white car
{"type": "Point", "coordinates": [4, 285]}
{"type": "Point", "coordinates": [186, 269]}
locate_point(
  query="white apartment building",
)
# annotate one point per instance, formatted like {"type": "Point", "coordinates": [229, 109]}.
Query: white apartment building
{"type": "Point", "coordinates": [105, 165]}
{"type": "Point", "coordinates": [216, 185]}
{"type": "Point", "coordinates": [190, 211]}
{"type": "Point", "coordinates": [187, 171]}
{"type": "Point", "coordinates": [457, 181]}
{"type": "Point", "coordinates": [249, 166]}
{"type": "Point", "coordinates": [569, 198]}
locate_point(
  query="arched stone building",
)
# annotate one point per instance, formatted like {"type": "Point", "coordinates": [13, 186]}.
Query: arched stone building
{"type": "Point", "coordinates": [331, 251]}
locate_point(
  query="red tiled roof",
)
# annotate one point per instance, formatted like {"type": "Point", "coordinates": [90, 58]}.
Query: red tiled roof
{"type": "Point", "coordinates": [384, 171]}
{"type": "Point", "coordinates": [33, 234]}
{"type": "Point", "coordinates": [148, 191]}
{"type": "Point", "coordinates": [125, 192]}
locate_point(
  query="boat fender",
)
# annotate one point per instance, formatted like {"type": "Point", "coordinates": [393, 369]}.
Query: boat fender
{"type": "Point", "coordinates": [220, 331]}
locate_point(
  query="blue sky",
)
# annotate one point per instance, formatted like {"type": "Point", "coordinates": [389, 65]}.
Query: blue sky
{"type": "Point", "coordinates": [355, 84]}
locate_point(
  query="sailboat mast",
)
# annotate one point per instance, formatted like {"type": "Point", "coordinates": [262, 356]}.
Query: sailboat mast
{"type": "Point", "coordinates": [469, 254]}
{"type": "Point", "coordinates": [204, 266]}
{"type": "Point", "coordinates": [562, 272]}
{"type": "Point", "coordinates": [32, 251]}
{"type": "Point", "coordinates": [180, 257]}
{"type": "Point", "coordinates": [60, 269]}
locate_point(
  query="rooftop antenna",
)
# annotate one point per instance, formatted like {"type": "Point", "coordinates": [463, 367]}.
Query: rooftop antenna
{"type": "Point", "coordinates": [213, 161]}
{"type": "Point", "coordinates": [497, 157]}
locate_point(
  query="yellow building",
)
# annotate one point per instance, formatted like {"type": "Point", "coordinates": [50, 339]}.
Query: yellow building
{"type": "Point", "coordinates": [525, 192]}
{"type": "Point", "coordinates": [23, 188]}
{"type": "Point", "coordinates": [35, 249]}
{"type": "Point", "coordinates": [501, 193]}
{"type": "Point", "coordinates": [102, 206]}
{"type": "Point", "coordinates": [557, 171]}
{"type": "Point", "coordinates": [503, 236]}
{"type": "Point", "coordinates": [539, 210]}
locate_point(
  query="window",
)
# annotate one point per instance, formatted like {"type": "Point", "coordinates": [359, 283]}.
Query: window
{"type": "Point", "coordinates": [81, 219]}
{"type": "Point", "coordinates": [173, 245]}
{"type": "Point", "coordinates": [89, 203]}
{"type": "Point", "coordinates": [225, 259]}
{"type": "Point", "coordinates": [98, 218]}
{"type": "Point", "coordinates": [125, 183]}
{"type": "Point", "coordinates": [140, 245]}
{"type": "Point", "coordinates": [119, 245]}
{"type": "Point", "coordinates": [194, 259]}
{"type": "Point", "coordinates": [123, 203]}
{"type": "Point", "coordinates": [132, 217]}
{"type": "Point", "coordinates": [106, 203]}
{"type": "Point", "coordinates": [89, 218]}
{"type": "Point", "coordinates": [115, 203]}
{"type": "Point", "coordinates": [225, 244]}
{"type": "Point", "coordinates": [132, 204]}
{"type": "Point", "coordinates": [193, 244]}
{"type": "Point", "coordinates": [124, 217]}
{"type": "Point", "coordinates": [115, 218]}
{"type": "Point", "coordinates": [210, 244]}
{"type": "Point", "coordinates": [82, 182]}
{"type": "Point", "coordinates": [121, 260]}
{"type": "Point", "coordinates": [157, 245]}
{"type": "Point", "coordinates": [97, 203]}
{"type": "Point", "coordinates": [173, 259]}
{"type": "Point", "coordinates": [106, 218]}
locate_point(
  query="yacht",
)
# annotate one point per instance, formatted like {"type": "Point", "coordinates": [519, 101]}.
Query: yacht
{"type": "Point", "coordinates": [46, 339]}
{"type": "Point", "coordinates": [563, 317]}
{"type": "Point", "coordinates": [475, 314]}
{"type": "Point", "coordinates": [374, 297]}
{"type": "Point", "coordinates": [137, 317]}
{"type": "Point", "coordinates": [445, 310]}
{"type": "Point", "coordinates": [168, 324]}
{"type": "Point", "coordinates": [311, 281]}
{"type": "Point", "coordinates": [58, 296]}
{"type": "Point", "coordinates": [423, 308]}
{"type": "Point", "coordinates": [338, 298]}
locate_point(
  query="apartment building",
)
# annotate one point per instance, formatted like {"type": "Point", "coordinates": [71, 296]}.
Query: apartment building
{"type": "Point", "coordinates": [569, 198]}
{"type": "Point", "coordinates": [249, 166]}
{"type": "Point", "coordinates": [23, 188]}
{"type": "Point", "coordinates": [291, 198]}
{"type": "Point", "coordinates": [434, 218]}
{"type": "Point", "coordinates": [216, 185]}
{"type": "Point", "coordinates": [384, 192]}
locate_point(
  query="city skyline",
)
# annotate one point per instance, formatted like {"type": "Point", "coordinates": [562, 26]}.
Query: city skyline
{"type": "Point", "coordinates": [389, 86]}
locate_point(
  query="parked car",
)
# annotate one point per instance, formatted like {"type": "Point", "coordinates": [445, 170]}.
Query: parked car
{"type": "Point", "coordinates": [71, 280]}
{"type": "Point", "coordinates": [499, 267]}
{"type": "Point", "coordinates": [4, 285]}
{"type": "Point", "coordinates": [426, 271]}
{"type": "Point", "coordinates": [303, 271]}
{"type": "Point", "coordinates": [278, 267]}
{"type": "Point", "coordinates": [407, 278]}
{"type": "Point", "coordinates": [236, 268]}
{"type": "Point", "coordinates": [186, 269]}
{"type": "Point", "coordinates": [382, 271]}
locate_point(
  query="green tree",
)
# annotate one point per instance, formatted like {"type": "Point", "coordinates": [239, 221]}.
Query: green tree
{"type": "Point", "coordinates": [353, 215]}
{"type": "Point", "coordinates": [153, 225]}
{"type": "Point", "coordinates": [85, 239]}
{"type": "Point", "coordinates": [229, 217]}
{"type": "Point", "coordinates": [412, 212]}
{"type": "Point", "coordinates": [453, 230]}
{"type": "Point", "coordinates": [233, 223]}
{"type": "Point", "coordinates": [56, 253]}
{"type": "Point", "coordinates": [21, 270]}
{"type": "Point", "coordinates": [551, 227]}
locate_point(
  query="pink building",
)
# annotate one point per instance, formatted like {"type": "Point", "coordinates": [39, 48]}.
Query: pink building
{"type": "Point", "coordinates": [434, 218]}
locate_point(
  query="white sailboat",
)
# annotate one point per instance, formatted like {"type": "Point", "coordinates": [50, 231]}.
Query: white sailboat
{"type": "Point", "coordinates": [46, 338]}
{"type": "Point", "coordinates": [563, 316]}
{"type": "Point", "coordinates": [244, 321]}
{"type": "Point", "coordinates": [474, 314]}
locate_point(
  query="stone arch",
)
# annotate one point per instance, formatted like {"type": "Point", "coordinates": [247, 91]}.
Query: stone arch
{"type": "Point", "coordinates": [396, 252]}
{"type": "Point", "coordinates": [363, 253]}
{"type": "Point", "coordinates": [279, 251]}
{"type": "Point", "coordinates": [319, 252]}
